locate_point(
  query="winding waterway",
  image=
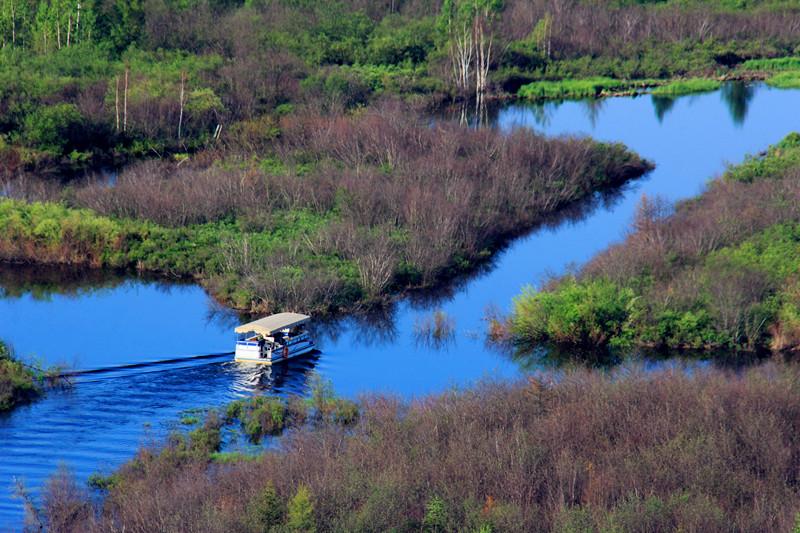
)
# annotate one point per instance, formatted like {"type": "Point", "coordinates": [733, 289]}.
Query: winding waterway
{"type": "Point", "coordinates": [106, 320]}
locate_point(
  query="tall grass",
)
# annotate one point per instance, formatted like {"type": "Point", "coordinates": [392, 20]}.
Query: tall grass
{"type": "Point", "coordinates": [581, 88]}
{"type": "Point", "coordinates": [771, 64]}
{"type": "Point", "coordinates": [785, 80]}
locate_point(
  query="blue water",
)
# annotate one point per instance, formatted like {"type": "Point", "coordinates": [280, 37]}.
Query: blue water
{"type": "Point", "coordinates": [100, 422]}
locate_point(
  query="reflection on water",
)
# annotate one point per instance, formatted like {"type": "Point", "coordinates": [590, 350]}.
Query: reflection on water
{"type": "Point", "coordinates": [738, 95]}
{"type": "Point", "coordinates": [662, 105]}
{"type": "Point", "coordinates": [105, 321]}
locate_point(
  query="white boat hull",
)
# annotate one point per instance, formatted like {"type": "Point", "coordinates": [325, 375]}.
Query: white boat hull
{"type": "Point", "coordinates": [252, 353]}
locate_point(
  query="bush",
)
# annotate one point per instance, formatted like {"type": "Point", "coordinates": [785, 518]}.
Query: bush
{"type": "Point", "coordinates": [18, 384]}
{"type": "Point", "coordinates": [266, 511]}
{"type": "Point", "coordinates": [707, 450]}
{"type": "Point", "coordinates": [56, 129]}
{"type": "Point", "coordinates": [586, 313]}
{"type": "Point", "coordinates": [300, 512]}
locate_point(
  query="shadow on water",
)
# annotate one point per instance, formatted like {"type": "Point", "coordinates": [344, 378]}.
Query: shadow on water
{"type": "Point", "coordinates": [737, 96]}
{"type": "Point", "coordinates": [532, 358]}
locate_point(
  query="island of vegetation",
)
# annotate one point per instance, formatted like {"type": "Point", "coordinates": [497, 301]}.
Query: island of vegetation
{"type": "Point", "coordinates": [282, 152]}
{"type": "Point", "coordinates": [717, 271]}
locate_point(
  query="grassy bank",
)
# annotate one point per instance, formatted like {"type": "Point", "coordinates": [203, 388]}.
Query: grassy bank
{"type": "Point", "coordinates": [706, 451]}
{"type": "Point", "coordinates": [338, 211]}
{"type": "Point", "coordinates": [18, 383]}
{"type": "Point", "coordinates": [719, 270]}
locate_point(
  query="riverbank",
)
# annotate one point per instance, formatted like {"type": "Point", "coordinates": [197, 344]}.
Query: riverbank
{"type": "Point", "coordinates": [716, 271]}
{"type": "Point", "coordinates": [342, 211]}
{"type": "Point", "coordinates": [587, 450]}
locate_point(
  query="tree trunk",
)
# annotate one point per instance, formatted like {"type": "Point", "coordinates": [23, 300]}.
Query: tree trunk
{"type": "Point", "coordinates": [125, 103]}
{"type": "Point", "coordinates": [182, 101]}
{"type": "Point", "coordinates": [116, 101]}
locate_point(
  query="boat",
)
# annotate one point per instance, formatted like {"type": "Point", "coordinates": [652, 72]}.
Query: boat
{"type": "Point", "coordinates": [273, 339]}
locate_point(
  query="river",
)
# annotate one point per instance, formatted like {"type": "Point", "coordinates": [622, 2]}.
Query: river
{"type": "Point", "coordinates": [103, 319]}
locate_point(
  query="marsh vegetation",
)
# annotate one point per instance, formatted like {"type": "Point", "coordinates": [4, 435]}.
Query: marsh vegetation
{"type": "Point", "coordinates": [711, 451]}
{"type": "Point", "coordinates": [719, 270]}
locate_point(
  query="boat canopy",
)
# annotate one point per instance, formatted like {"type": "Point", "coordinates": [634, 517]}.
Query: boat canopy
{"type": "Point", "coordinates": [269, 325]}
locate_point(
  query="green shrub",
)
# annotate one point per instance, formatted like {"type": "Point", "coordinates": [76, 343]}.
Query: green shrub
{"type": "Point", "coordinates": [266, 510]}
{"type": "Point", "coordinates": [18, 383]}
{"type": "Point", "coordinates": [300, 513]}
{"type": "Point", "coordinates": [586, 312]}
{"type": "Point", "coordinates": [436, 516]}
{"type": "Point", "coordinates": [54, 129]}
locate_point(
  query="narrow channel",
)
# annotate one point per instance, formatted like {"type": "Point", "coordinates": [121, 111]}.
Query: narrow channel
{"type": "Point", "coordinates": [109, 321]}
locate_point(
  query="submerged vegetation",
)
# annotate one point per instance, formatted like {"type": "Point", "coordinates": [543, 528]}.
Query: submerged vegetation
{"type": "Point", "coordinates": [631, 451]}
{"type": "Point", "coordinates": [717, 271]}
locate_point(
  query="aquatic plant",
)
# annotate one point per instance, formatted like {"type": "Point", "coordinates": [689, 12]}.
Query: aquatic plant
{"type": "Point", "coordinates": [435, 329]}
{"type": "Point", "coordinates": [269, 415]}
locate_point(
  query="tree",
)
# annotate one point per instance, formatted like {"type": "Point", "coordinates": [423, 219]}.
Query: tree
{"type": "Point", "coordinates": [468, 28]}
{"type": "Point", "coordinates": [300, 516]}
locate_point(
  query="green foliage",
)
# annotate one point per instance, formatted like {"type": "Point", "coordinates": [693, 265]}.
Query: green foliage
{"type": "Point", "coordinates": [436, 516]}
{"type": "Point", "coordinates": [206, 439]}
{"type": "Point", "coordinates": [100, 482]}
{"type": "Point", "coordinates": [18, 383]}
{"type": "Point", "coordinates": [785, 80]}
{"type": "Point", "coordinates": [300, 512]}
{"type": "Point", "coordinates": [777, 63]}
{"type": "Point", "coordinates": [777, 160]}
{"type": "Point", "coordinates": [266, 510]}
{"type": "Point", "coordinates": [582, 88]}
{"type": "Point", "coordinates": [53, 129]}
{"type": "Point", "coordinates": [586, 312]}
{"type": "Point", "coordinates": [690, 86]}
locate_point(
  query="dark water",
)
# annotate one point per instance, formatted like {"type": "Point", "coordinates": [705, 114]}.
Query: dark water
{"type": "Point", "coordinates": [108, 320]}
